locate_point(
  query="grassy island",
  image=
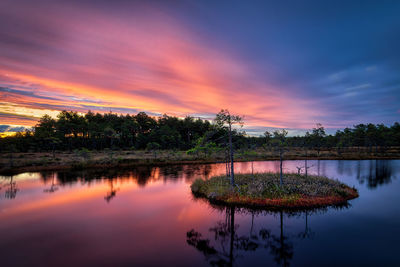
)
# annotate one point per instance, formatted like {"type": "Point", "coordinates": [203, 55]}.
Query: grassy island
{"type": "Point", "coordinates": [263, 190]}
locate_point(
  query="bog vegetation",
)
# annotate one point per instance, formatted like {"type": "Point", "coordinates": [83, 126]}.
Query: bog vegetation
{"type": "Point", "coordinates": [263, 189]}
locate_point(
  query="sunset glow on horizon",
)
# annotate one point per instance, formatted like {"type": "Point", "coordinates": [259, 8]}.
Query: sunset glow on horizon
{"type": "Point", "coordinates": [180, 59]}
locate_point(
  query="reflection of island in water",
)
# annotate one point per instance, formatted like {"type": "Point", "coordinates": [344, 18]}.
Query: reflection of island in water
{"type": "Point", "coordinates": [226, 245]}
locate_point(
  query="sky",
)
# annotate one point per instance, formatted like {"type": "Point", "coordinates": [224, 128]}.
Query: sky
{"type": "Point", "coordinates": [280, 64]}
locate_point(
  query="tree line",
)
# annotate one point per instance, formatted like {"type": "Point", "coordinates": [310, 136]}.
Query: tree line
{"type": "Point", "coordinates": [71, 130]}
{"type": "Point", "coordinates": [95, 131]}
{"type": "Point", "coordinates": [361, 135]}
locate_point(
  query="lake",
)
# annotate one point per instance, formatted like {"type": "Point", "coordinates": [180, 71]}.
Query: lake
{"type": "Point", "coordinates": [147, 216]}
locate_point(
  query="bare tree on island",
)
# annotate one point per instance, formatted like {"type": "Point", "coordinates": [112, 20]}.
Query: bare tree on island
{"type": "Point", "coordinates": [281, 143]}
{"type": "Point", "coordinates": [225, 120]}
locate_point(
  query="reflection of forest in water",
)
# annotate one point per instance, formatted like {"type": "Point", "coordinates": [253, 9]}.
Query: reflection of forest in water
{"type": "Point", "coordinates": [223, 245]}
{"type": "Point", "coordinates": [373, 173]}
{"type": "Point", "coordinates": [141, 175]}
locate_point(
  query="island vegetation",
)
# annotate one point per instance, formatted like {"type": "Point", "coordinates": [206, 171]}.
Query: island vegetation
{"type": "Point", "coordinates": [264, 190]}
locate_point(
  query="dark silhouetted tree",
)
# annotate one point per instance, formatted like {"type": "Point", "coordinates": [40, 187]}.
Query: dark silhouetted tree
{"type": "Point", "coordinates": [225, 120]}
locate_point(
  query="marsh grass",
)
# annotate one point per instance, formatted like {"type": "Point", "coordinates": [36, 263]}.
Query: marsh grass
{"type": "Point", "coordinates": [22, 161]}
{"type": "Point", "coordinates": [264, 189]}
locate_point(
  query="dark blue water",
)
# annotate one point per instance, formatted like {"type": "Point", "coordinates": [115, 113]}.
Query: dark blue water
{"type": "Point", "coordinates": [147, 217]}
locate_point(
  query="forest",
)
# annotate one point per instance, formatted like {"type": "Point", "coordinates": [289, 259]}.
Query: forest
{"type": "Point", "coordinates": [95, 131]}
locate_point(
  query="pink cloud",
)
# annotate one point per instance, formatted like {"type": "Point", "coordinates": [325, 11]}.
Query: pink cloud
{"type": "Point", "coordinates": [145, 61]}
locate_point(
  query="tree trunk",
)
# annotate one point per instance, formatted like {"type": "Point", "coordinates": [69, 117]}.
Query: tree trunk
{"type": "Point", "coordinates": [227, 164]}
{"type": "Point", "coordinates": [231, 155]}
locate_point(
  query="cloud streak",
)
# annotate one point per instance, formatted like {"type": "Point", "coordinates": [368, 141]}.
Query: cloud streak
{"type": "Point", "coordinates": [131, 57]}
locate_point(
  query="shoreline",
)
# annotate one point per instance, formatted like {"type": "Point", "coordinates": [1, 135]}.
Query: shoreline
{"type": "Point", "coordinates": [304, 203]}
{"type": "Point", "coordinates": [36, 162]}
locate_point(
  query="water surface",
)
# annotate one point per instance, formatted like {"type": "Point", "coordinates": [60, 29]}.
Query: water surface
{"type": "Point", "coordinates": [146, 216]}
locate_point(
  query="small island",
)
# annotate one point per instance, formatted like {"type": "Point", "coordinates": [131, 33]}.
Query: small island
{"type": "Point", "coordinates": [263, 190]}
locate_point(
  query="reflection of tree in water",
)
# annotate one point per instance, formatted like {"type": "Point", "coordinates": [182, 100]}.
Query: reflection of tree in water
{"type": "Point", "coordinates": [228, 243]}
{"type": "Point", "coordinates": [173, 171]}
{"type": "Point", "coordinates": [227, 246]}
{"type": "Point", "coordinates": [344, 167]}
{"type": "Point", "coordinates": [281, 247]}
{"type": "Point", "coordinates": [113, 191]}
{"type": "Point", "coordinates": [53, 186]}
{"type": "Point", "coordinates": [11, 190]}
{"type": "Point", "coordinates": [141, 174]}
{"type": "Point", "coordinates": [195, 170]}
{"type": "Point", "coordinates": [307, 233]}
{"type": "Point", "coordinates": [379, 172]}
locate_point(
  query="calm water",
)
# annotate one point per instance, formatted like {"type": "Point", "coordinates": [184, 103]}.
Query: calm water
{"type": "Point", "coordinates": [148, 217]}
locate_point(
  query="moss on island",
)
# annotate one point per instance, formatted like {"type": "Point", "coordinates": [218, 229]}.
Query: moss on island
{"type": "Point", "coordinates": [263, 190]}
